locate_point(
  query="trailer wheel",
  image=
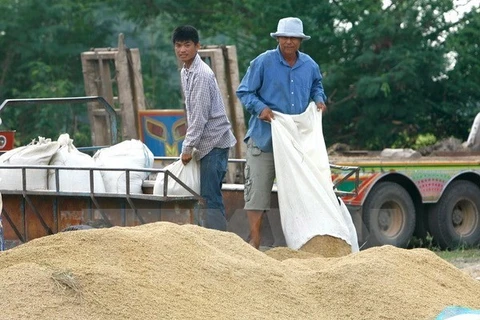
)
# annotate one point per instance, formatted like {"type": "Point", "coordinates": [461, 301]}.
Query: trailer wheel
{"type": "Point", "coordinates": [389, 215]}
{"type": "Point", "coordinates": [454, 220]}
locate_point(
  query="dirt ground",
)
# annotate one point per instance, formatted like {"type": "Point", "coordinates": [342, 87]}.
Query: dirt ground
{"type": "Point", "coordinates": [471, 266]}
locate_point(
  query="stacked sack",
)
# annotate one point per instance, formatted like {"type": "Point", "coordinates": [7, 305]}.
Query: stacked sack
{"type": "Point", "coordinates": [129, 154]}
{"type": "Point", "coordinates": [37, 153]}
{"type": "Point", "coordinates": [73, 180]}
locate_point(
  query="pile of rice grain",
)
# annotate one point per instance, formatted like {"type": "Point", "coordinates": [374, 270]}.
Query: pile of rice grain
{"type": "Point", "coordinates": [167, 271]}
{"type": "Point", "coordinates": [327, 246]}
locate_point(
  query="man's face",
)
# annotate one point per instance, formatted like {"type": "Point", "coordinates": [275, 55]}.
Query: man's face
{"type": "Point", "coordinates": [186, 50]}
{"type": "Point", "coordinates": [289, 45]}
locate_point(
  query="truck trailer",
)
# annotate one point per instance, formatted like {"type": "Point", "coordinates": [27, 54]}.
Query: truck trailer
{"type": "Point", "coordinates": [433, 198]}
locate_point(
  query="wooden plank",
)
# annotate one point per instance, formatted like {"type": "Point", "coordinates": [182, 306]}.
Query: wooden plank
{"type": "Point", "coordinates": [136, 72]}
{"type": "Point", "coordinates": [106, 85]}
{"type": "Point", "coordinates": [98, 123]}
{"type": "Point", "coordinates": [97, 54]}
{"type": "Point", "coordinates": [128, 80]}
{"type": "Point", "coordinates": [138, 90]}
{"type": "Point", "coordinates": [236, 108]}
{"type": "Point", "coordinates": [214, 58]}
{"type": "Point", "coordinates": [129, 119]}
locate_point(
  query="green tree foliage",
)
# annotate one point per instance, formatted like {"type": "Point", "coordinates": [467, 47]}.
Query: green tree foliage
{"type": "Point", "coordinates": [40, 46]}
{"type": "Point", "coordinates": [385, 84]}
{"type": "Point", "coordinates": [385, 67]}
{"type": "Point", "coordinates": [462, 86]}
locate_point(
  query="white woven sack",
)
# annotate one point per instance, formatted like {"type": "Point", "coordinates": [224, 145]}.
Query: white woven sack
{"type": "Point", "coordinates": [307, 201]}
{"type": "Point", "coordinates": [189, 174]}
{"type": "Point", "coordinates": [36, 153]}
{"type": "Point", "coordinates": [73, 180]}
{"type": "Point", "coordinates": [473, 140]}
{"type": "Point", "coordinates": [128, 154]}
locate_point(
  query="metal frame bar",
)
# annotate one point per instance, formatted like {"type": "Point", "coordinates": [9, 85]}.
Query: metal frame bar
{"type": "Point", "coordinates": [351, 171]}
{"type": "Point", "coordinates": [14, 227]}
{"type": "Point", "coordinates": [108, 108]}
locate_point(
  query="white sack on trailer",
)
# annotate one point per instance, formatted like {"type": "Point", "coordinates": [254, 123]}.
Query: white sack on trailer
{"type": "Point", "coordinates": [308, 204]}
{"type": "Point", "coordinates": [37, 153]}
{"type": "Point", "coordinates": [73, 180]}
{"type": "Point", "coordinates": [128, 154]}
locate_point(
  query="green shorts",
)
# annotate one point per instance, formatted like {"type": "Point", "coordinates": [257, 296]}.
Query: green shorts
{"type": "Point", "coordinates": [259, 177]}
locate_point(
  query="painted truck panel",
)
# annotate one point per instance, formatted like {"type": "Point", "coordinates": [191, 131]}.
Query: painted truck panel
{"type": "Point", "coordinates": [430, 177]}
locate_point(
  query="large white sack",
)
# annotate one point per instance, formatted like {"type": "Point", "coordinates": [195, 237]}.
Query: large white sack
{"type": "Point", "coordinates": [128, 154]}
{"type": "Point", "coordinates": [73, 180]}
{"type": "Point", "coordinates": [36, 153]}
{"type": "Point", "coordinates": [189, 174]}
{"type": "Point", "coordinates": [473, 140]}
{"type": "Point", "coordinates": [307, 201]}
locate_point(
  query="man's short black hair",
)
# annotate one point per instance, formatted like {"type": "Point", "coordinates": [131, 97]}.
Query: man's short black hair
{"type": "Point", "coordinates": [185, 33]}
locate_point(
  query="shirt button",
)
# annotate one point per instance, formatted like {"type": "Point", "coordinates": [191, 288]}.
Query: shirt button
{"type": "Point", "coordinates": [292, 92]}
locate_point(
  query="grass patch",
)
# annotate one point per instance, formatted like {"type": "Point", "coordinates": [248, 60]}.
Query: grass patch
{"type": "Point", "coordinates": [470, 254]}
{"type": "Point", "coordinates": [467, 254]}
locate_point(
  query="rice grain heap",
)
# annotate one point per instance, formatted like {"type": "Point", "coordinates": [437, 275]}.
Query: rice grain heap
{"type": "Point", "coordinates": [168, 271]}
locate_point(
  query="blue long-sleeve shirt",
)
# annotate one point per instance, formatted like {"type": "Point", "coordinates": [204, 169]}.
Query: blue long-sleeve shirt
{"type": "Point", "coordinates": [271, 82]}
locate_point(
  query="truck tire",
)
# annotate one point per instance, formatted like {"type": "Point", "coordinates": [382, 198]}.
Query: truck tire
{"type": "Point", "coordinates": [454, 220]}
{"type": "Point", "coordinates": [389, 216]}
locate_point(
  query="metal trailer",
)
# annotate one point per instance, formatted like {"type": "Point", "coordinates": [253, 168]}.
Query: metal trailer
{"type": "Point", "coordinates": [29, 214]}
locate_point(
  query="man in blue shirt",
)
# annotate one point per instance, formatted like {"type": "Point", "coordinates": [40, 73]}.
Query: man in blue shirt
{"type": "Point", "coordinates": [284, 80]}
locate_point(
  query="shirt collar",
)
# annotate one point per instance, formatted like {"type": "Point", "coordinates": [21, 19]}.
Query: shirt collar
{"type": "Point", "coordinates": [195, 63]}
{"type": "Point", "coordinates": [282, 59]}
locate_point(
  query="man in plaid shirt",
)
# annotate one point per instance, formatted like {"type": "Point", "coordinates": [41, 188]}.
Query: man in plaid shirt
{"type": "Point", "coordinates": [209, 131]}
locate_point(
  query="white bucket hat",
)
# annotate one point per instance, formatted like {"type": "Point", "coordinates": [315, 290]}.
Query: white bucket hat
{"type": "Point", "coordinates": [290, 27]}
